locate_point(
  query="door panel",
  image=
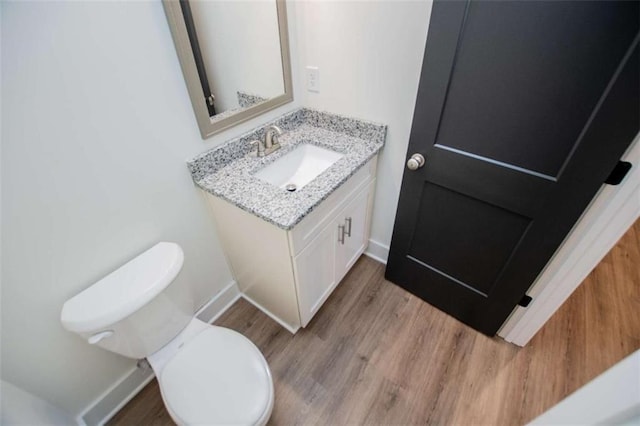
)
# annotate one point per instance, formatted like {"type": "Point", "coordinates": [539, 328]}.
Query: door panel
{"type": "Point", "coordinates": [452, 227]}
{"type": "Point", "coordinates": [508, 48]}
{"type": "Point", "coordinates": [523, 110]}
{"type": "Point", "coordinates": [511, 189]}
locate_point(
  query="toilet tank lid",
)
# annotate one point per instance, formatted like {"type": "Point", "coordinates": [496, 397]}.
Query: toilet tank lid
{"type": "Point", "coordinates": [123, 291]}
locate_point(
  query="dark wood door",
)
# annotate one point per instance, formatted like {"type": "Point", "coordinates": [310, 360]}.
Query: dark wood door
{"type": "Point", "coordinates": [523, 110]}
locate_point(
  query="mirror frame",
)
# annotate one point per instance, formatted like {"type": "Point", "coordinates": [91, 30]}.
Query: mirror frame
{"type": "Point", "coordinates": [188, 64]}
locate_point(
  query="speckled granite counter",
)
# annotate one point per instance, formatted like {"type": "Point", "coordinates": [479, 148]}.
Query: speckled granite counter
{"type": "Point", "coordinates": [227, 171]}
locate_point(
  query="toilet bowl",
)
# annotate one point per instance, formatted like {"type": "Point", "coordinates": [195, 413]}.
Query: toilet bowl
{"type": "Point", "coordinates": [207, 374]}
{"type": "Point", "coordinates": [204, 385]}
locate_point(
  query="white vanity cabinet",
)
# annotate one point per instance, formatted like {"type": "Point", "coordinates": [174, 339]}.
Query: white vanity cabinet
{"type": "Point", "coordinates": [326, 260]}
{"type": "Point", "coordinates": [289, 274]}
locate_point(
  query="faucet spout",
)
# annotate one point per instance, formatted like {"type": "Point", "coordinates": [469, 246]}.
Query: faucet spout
{"type": "Point", "coordinates": [270, 142]}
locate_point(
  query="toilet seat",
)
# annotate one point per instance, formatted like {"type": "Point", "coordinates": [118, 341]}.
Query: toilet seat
{"type": "Point", "coordinates": [217, 377]}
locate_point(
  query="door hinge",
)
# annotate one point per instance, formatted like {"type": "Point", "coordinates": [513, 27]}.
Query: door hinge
{"type": "Point", "coordinates": [524, 302]}
{"type": "Point", "coordinates": [619, 172]}
{"type": "Point", "coordinates": [211, 99]}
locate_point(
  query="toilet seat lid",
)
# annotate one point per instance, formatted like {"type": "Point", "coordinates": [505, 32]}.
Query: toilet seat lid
{"type": "Point", "coordinates": [219, 377]}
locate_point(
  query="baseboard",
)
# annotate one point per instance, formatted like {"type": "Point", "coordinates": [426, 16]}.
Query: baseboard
{"type": "Point", "coordinates": [113, 399]}
{"type": "Point", "coordinates": [265, 311]}
{"type": "Point", "coordinates": [116, 397]}
{"type": "Point", "coordinates": [219, 304]}
{"type": "Point", "coordinates": [377, 251]}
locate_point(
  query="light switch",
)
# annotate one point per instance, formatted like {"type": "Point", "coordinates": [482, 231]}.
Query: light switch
{"type": "Point", "coordinates": [313, 79]}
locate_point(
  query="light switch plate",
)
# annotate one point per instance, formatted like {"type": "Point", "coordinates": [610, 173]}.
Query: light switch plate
{"type": "Point", "coordinates": [313, 79]}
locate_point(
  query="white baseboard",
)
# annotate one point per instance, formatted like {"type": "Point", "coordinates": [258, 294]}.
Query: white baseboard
{"type": "Point", "coordinates": [377, 251]}
{"type": "Point", "coordinates": [265, 311]}
{"type": "Point", "coordinates": [219, 304]}
{"type": "Point", "coordinates": [113, 399]}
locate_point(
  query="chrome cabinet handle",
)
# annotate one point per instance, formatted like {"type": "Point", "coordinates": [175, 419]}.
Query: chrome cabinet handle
{"type": "Point", "coordinates": [348, 223]}
{"type": "Point", "coordinates": [341, 234]}
{"type": "Point", "coordinates": [415, 162]}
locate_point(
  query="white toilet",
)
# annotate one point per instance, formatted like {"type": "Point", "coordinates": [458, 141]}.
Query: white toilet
{"type": "Point", "coordinates": [208, 375]}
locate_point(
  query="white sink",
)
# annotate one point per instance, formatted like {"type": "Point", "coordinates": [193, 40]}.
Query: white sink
{"type": "Point", "coordinates": [299, 167]}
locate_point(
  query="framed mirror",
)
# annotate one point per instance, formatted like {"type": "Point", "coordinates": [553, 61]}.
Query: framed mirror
{"type": "Point", "coordinates": [234, 56]}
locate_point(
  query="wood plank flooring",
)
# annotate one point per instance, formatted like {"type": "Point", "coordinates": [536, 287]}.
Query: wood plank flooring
{"type": "Point", "coordinates": [376, 354]}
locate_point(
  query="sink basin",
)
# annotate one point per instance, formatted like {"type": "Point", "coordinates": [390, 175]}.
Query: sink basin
{"type": "Point", "coordinates": [299, 167]}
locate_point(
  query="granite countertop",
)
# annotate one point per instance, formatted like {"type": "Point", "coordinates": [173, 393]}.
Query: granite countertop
{"type": "Point", "coordinates": [227, 170]}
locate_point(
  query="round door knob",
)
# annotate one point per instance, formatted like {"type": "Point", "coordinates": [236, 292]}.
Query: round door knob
{"type": "Point", "coordinates": [415, 162]}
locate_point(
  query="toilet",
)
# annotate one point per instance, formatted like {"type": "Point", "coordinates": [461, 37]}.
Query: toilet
{"type": "Point", "coordinates": [208, 375]}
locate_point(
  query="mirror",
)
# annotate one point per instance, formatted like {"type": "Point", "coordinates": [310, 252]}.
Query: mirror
{"type": "Point", "coordinates": [234, 56]}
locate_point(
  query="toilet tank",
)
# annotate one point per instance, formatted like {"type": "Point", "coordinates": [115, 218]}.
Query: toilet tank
{"type": "Point", "coordinates": [136, 309]}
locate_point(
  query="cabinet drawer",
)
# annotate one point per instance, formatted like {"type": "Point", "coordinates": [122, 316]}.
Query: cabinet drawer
{"type": "Point", "coordinates": [304, 232]}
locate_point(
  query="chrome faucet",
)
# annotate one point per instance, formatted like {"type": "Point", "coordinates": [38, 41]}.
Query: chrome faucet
{"type": "Point", "coordinates": [270, 143]}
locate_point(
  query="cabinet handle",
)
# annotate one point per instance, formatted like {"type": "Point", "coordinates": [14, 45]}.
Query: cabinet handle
{"type": "Point", "coordinates": [348, 224]}
{"type": "Point", "coordinates": [341, 234]}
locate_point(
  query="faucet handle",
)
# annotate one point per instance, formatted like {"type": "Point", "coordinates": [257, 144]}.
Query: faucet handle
{"type": "Point", "coordinates": [260, 147]}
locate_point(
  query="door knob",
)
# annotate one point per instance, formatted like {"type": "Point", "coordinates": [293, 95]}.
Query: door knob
{"type": "Point", "coordinates": [415, 162]}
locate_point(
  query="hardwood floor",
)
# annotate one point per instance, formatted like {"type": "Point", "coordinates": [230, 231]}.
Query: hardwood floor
{"type": "Point", "coordinates": [376, 354]}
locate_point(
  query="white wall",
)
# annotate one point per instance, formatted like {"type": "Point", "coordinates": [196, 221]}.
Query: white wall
{"type": "Point", "coordinates": [18, 407]}
{"type": "Point", "coordinates": [369, 55]}
{"type": "Point", "coordinates": [97, 126]}
{"type": "Point", "coordinates": [612, 398]}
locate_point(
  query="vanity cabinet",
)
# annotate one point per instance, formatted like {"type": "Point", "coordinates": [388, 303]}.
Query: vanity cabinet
{"type": "Point", "coordinates": [289, 274]}
{"type": "Point", "coordinates": [325, 261]}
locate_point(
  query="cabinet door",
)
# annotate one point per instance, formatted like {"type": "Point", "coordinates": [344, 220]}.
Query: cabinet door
{"type": "Point", "coordinates": [354, 220]}
{"type": "Point", "coordinates": [315, 273]}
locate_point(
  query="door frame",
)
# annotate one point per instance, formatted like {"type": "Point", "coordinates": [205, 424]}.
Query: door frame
{"type": "Point", "coordinates": [610, 214]}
